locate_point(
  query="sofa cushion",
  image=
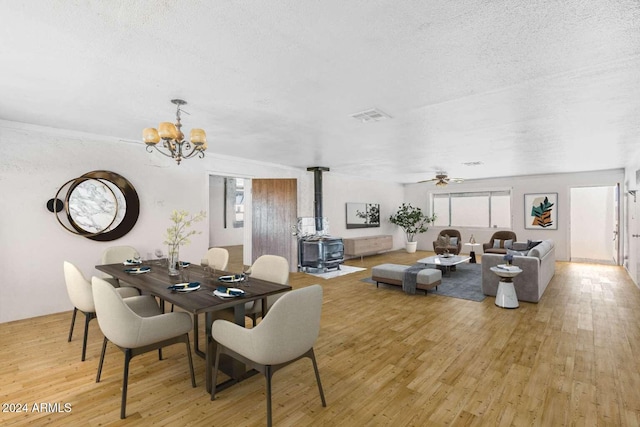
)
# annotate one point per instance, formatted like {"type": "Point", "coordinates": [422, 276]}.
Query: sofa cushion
{"type": "Point", "coordinates": [453, 241]}
{"type": "Point", "coordinates": [508, 244]}
{"type": "Point", "coordinates": [497, 243]}
{"type": "Point", "coordinates": [514, 252]}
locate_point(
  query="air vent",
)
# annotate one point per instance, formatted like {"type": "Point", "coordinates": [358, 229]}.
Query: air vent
{"type": "Point", "coordinates": [472, 163]}
{"type": "Point", "coordinates": [372, 115]}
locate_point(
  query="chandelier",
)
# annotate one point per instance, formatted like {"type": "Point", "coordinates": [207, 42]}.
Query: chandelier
{"type": "Point", "coordinates": [173, 139]}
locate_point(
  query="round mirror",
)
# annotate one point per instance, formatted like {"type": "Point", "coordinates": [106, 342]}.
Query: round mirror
{"type": "Point", "coordinates": [100, 205]}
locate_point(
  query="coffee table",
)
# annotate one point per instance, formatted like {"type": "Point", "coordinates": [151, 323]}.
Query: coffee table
{"type": "Point", "coordinates": [445, 263]}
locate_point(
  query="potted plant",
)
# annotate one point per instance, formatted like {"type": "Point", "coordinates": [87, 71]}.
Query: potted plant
{"type": "Point", "coordinates": [178, 234]}
{"type": "Point", "coordinates": [412, 221]}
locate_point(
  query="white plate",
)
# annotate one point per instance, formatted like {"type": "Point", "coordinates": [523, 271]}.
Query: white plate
{"type": "Point", "coordinates": [129, 262]}
{"type": "Point", "coordinates": [226, 295]}
{"type": "Point", "coordinates": [195, 288]}
{"type": "Point", "coordinates": [138, 271]}
{"type": "Point", "coordinates": [232, 278]}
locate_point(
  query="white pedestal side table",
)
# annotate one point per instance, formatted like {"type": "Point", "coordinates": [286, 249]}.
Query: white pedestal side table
{"type": "Point", "coordinates": [506, 296]}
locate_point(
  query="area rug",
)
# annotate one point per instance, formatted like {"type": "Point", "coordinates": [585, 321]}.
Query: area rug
{"type": "Point", "coordinates": [464, 283]}
{"type": "Point", "coordinates": [344, 270]}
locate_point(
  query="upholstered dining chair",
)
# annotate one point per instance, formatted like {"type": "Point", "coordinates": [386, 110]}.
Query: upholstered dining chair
{"type": "Point", "coordinates": [81, 296]}
{"type": "Point", "coordinates": [117, 254]}
{"type": "Point", "coordinates": [500, 242]}
{"type": "Point", "coordinates": [454, 245]}
{"type": "Point", "coordinates": [286, 334]}
{"type": "Point", "coordinates": [137, 328]}
{"type": "Point", "coordinates": [272, 268]}
{"type": "Point", "coordinates": [218, 258]}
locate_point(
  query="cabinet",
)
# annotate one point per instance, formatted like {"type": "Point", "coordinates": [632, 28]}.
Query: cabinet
{"type": "Point", "coordinates": [368, 245]}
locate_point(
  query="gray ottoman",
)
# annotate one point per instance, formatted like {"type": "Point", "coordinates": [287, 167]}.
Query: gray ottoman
{"type": "Point", "coordinates": [393, 274]}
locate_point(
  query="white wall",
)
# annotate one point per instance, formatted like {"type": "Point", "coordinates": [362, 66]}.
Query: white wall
{"type": "Point", "coordinates": [418, 195]}
{"type": "Point", "coordinates": [339, 190]}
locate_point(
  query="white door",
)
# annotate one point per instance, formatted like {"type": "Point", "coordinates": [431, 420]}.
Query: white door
{"type": "Point", "coordinates": [594, 221]}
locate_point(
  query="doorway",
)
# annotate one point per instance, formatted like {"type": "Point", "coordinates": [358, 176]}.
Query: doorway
{"type": "Point", "coordinates": [227, 208]}
{"type": "Point", "coordinates": [595, 224]}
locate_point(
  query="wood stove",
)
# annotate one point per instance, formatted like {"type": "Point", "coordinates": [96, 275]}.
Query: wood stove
{"type": "Point", "coordinates": [319, 252]}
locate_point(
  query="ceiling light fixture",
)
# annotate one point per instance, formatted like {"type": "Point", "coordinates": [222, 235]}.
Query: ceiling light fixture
{"type": "Point", "coordinates": [173, 138]}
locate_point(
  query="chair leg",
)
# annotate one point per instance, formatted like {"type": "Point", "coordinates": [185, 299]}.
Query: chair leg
{"type": "Point", "coordinates": [315, 368]}
{"type": "Point", "coordinates": [104, 349]}
{"type": "Point", "coordinates": [268, 373]}
{"type": "Point", "coordinates": [193, 377]}
{"type": "Point", "coordinates": [125, 382]}
{"type": "Point", "coordinates": [159, 354]}
{"type": "Point", "coordinates": [214, 375]}
{"type": "Point", "coordinates": [73, 322]}
{"type": "Point", "coordinates": [87, 319]}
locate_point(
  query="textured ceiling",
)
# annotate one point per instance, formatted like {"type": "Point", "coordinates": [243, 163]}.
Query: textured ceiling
{"type": "Point", "coordinates": [525, 87]}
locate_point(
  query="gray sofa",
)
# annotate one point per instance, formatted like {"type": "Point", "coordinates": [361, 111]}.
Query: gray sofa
{"type": "Point", "coordinates": [538, 267]}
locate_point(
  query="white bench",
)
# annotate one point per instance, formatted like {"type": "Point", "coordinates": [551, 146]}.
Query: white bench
{"type": "Point", "coordinates": [393, 274]}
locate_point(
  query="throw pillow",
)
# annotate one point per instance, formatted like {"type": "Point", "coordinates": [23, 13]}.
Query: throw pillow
{"type": "Point", "coordinates": [442, 241]}
{"type": "Point", "coordinates": [508, 244]}
{"type": "Point", "coordinates": [520, 246]}
{"type": "Point", "coordinates": [519, 253]}
{"type": "Point", "coordinates": [533, 243]}
{"type": "Point", "coordinates": [497, 243]}
{"type": "Point", "coordinates": [453, 241]}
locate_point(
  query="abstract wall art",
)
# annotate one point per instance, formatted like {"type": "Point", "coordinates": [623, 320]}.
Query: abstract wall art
{"type": "Point", "coordinates": [541, 211]}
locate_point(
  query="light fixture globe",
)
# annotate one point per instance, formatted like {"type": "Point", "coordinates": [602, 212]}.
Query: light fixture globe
{"type": "Point", "coordinates": [173, 142]}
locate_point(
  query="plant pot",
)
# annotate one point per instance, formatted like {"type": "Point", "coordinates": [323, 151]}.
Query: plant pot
{"type": "Point", "coordinates": [411, 247]}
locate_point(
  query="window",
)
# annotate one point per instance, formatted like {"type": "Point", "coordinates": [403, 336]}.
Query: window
{"type": "Point", "coordinates": [473, 209]}
{"type": "Point", "coordinates": [234, 202]}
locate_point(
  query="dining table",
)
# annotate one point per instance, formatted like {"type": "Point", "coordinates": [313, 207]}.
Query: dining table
{"type": "Point", "coordinates": [156, 281]}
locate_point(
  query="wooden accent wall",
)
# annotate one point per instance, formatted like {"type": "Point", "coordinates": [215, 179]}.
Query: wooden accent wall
{"type": "Point", "coordinates": [274, 213]}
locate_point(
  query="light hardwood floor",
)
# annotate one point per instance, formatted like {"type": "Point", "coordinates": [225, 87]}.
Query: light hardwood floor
{"type": "Point", "coordinates": [385, 358]}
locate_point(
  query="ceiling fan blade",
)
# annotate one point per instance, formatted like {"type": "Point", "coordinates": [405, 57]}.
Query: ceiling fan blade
{"type": "Point", "coordinates": [428, 180]}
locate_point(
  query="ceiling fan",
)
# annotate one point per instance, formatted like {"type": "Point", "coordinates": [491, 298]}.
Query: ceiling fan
{"type": "Point", "coordinates": [443, 179]}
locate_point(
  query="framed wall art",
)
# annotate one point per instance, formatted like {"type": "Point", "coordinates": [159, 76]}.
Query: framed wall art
{"type": "Point", "coordinates": [541, 211]}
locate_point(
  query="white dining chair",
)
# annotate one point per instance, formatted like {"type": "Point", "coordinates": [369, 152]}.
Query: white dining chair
{"type": "Point", "coordinates": [81, 296]}
{"type": "Point", "coordinates": [218, 258]}
{"type": "Point", "coordinates": [286, 334]}
{"type": "Point", "coordinates": [272, 268]}
{"type": "Point", "coordinates": [116, 255]}
{"type": "Point", "coordinates": [136, 328]}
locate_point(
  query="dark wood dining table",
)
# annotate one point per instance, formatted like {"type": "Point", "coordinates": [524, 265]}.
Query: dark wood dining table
{"type": "Point", "coordinates": [201, 301]}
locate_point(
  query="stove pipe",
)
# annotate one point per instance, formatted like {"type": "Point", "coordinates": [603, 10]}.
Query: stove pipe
{"type": "Point", "coordinates": [317, 201]}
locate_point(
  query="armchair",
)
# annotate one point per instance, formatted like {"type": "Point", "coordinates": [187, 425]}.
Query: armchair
{"type": "Point", "coordinates": [454, 245]}
{"type": "Point", "coordinates": [500, 242]}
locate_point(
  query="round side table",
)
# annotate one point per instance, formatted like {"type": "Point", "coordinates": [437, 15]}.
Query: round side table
{"type": "Point", "coordinates": [506, 296]}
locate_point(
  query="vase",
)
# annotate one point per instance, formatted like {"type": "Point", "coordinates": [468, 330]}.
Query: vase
{"type": "Point", "coordinates": [411, 247]}
{"type": "Point", "coordinates": [173, 257]}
